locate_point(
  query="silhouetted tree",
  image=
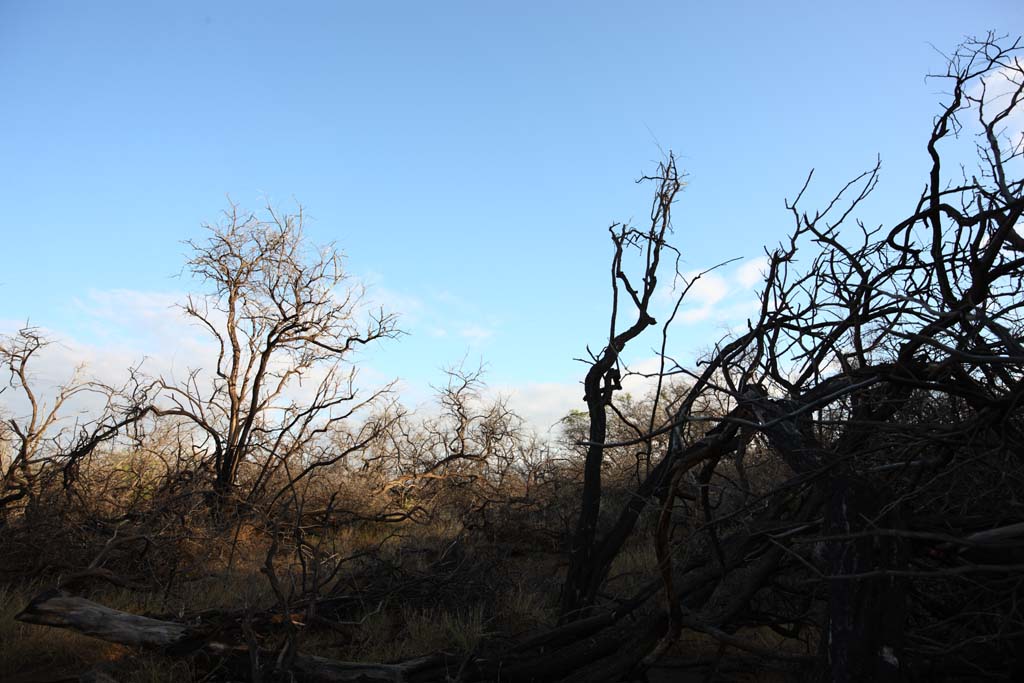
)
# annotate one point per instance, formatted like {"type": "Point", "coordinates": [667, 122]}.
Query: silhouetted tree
{"type": "Point", "coordinates": [886, 371]}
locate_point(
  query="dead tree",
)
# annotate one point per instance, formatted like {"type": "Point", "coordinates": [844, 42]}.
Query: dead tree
{"type": "Point", "coordinates": [279, 312]}
{"type": "Point", "coordinates": [41, 450]}
{"type": "Point", "coordinates": [455, 463]}
{"type": "Point", "coordinates": [884, 372]}
{"type": "Point", "coordinates": [603, 378]}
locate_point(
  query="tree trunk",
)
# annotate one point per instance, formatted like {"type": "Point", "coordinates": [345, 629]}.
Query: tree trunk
{"type": "Point", "coordinates": [866, 615]}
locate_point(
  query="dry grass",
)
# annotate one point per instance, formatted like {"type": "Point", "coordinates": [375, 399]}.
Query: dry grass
{"type": "Point", "coordinates": [229, 578]}
{"type": "Point", "coordinates": [634, 567]}
{"type": "Point", "coordinates": [406, 633]}
{"type": "Point", "coordinates": [524, 599]}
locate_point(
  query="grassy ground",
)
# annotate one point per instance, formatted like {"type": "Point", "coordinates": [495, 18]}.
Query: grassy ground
{"type": "Point", "coordinates": [421, 589]}
{"type": "Point", "coordinates": [515, 598]}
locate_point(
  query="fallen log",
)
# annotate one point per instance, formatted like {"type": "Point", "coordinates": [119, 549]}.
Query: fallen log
{"type": "Point", "coordinates": [61, 610]}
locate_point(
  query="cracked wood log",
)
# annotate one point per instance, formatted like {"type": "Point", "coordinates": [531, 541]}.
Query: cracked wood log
{"type": "Point", "coordinates": [61, 610]}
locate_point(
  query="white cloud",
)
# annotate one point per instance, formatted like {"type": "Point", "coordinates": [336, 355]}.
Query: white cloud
{"type": "Point", "coordinates": [705, 292]}
{"type": "Point", "coordinates": [999, 87]}
{"type": "Point", "coordinates": [409, 308]}
{"type": "Point", "coordinates": [151, 324]}
{"type": "Point", "coordinates": [708, 289]}
{"type": "Point", "coordinates": [543, 404]}
{"type": "Point", "coordinates": [112, 304]}
{"type": "Point", "coordinates": [126, 328]}
{"type": "Point", "coordinates": [751, 273]}
{"type": "Point", "coordinates": [55, 365]}
{"type": "Point", "coordinates": [723, 297]}
{"type": "Point", "coordinates": [437, 314]}
{"type": "Point", "coordinates": [110, 332]}
{"type": "Point", "coordinates": [637, 385]}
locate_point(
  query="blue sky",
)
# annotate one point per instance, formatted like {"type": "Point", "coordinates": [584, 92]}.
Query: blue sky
{"type": "Point", "coordinates": [467, 157]}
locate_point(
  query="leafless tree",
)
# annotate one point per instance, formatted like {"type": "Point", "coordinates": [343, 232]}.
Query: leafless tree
{"type": "Point", "coordinates": [41, 448]}
{"type": "Point", "coordinates": [885, 371]}
{"type": "Point", "coordinates": [457, 456]}
{"type": "Point", "coordinates": [603, 378]}
{"type": "Point", "coordinates": [285, 321]}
